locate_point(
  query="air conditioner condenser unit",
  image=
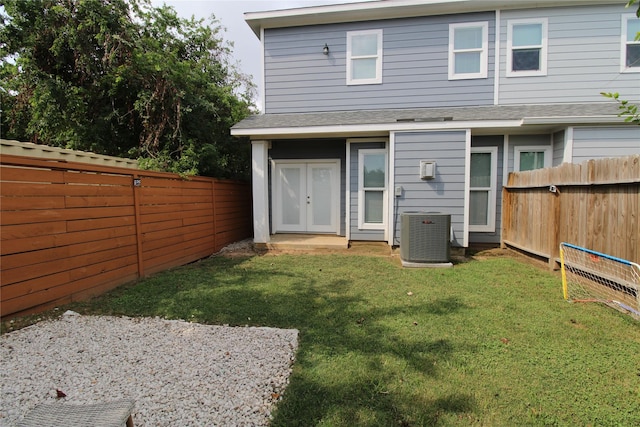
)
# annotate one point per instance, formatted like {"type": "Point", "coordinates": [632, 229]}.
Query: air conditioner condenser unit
{"type": "Point", "coordinates": [424, 238]}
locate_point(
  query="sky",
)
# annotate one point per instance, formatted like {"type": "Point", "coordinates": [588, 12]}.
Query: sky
{"type": "Point", "coordinates": [246, 46]}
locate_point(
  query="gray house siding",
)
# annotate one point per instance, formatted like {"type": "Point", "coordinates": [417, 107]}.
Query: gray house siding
{"type": "Point", "coordinates": [355, 232]}
{"type": "Point", "coordinates": [558, 147]}
{"type": "Point", "coordinates": [299, 78]}
{"type": "Point", "coordinates": [599, 142]}
{"type": "Point", "coordinates": [313, 150]}
{"type": "Point", "coordinates": [583, 57]}
{"type": "Point", "coordinates": [444, 193]}
{"type": "Point", "coordinates": [491, 141]}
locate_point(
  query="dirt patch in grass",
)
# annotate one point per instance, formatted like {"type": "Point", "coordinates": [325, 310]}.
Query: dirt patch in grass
{"type": "Point", "coordinates": [510, 253]}
{"type": "Point", "coordinates": [246, 248]}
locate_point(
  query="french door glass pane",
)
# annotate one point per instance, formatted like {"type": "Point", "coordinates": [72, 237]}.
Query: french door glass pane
{"type": "Point", "coordinates": [467, 62]}
{"type": "Point", "coordinates": [530, 160]}
{"type": "Point", "coordinates": [526, 59]}
{"type": "Point", "coordinates": [480, 169]}
{"type": "Point", "coordinates": [365, 44]}
{"type": "Point", "coordinates": [321, 196]}
{"type": "Point", "coordinates": [373, 207]}
{"type": "Point", "coordinates": [373, 176]}
{"type": "Point", "coordinates": [527, 35]}
{"type": "Point", "coordinates": [291, 196]}
{"type": "Point", "coordinates": [468, 38]}
{"type": "Point", "coordinates": [363, 68]}
{"type": "Point", "coordinates": [479, 207]}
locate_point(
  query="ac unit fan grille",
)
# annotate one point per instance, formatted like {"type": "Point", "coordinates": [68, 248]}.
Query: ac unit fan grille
{"type": "Point", "coordinates": [424, 237]}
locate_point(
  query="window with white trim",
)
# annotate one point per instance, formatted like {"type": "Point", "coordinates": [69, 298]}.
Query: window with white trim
{"type": "Point", "coordinates": [630, 50]}
{"type": "Point", "coordinates": [364, 57]}
{"type": "Point", "coordinates": [527, 47]}
{"type": "Point", "coordinates": [468, 50]}
{"type": "Point", "coordinates": [483, 189]}
{"type": "Point", "coordinates": [372, 188]}
{"type": "Point", "coordinates": [528, 158]}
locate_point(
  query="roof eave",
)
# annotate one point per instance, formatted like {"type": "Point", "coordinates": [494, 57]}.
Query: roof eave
{"type": "Point", "coordinates": [572, 120]}
{"type": "Point", "coordinates": [384, 128]}
{"type": "Point", "coordinates": [375, 10]}
{"type": "Point", "coordinates": [367, 129]}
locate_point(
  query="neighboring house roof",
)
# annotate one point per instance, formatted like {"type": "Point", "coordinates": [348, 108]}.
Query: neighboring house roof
{"type": "Point", "coordinates": [29, 149]}
{"type": "Point", "coordinates": [389, 9]}
{"type": "Point", "coordinates": [346, 122]}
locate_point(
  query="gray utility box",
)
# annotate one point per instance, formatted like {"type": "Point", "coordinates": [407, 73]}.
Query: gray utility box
{"type": "Point", "coordinates": [424, 237]}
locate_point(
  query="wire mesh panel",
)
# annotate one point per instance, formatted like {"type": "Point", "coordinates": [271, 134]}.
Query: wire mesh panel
{"type": "Point", "coordinates": [590, 276]}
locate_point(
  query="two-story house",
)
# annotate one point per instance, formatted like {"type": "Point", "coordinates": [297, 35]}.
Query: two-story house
{"type": "Point", "coordinates": [378, 108]}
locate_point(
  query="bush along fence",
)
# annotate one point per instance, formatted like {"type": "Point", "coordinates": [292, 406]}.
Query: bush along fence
{"type": "Point", "coordinates": [595, 205]}
{"type": "Point", "coordinates": [71, 231]}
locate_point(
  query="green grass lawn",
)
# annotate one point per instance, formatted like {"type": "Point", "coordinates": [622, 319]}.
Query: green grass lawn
{"type": "Point", "coordinates": [489, 342]}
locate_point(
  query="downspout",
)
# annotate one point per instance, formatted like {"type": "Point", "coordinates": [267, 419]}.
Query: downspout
{"type": "Point", "coordinates": [263, 90]}
{"type": "Point", "coordinates": [391, 199]}
{"type": "Point", "coordinates": [496, 57]}
{"type": "Point", "coordinates": [347, 193]}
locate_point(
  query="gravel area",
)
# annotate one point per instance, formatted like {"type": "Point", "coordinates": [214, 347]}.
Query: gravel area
{"type": "Point", "coordinates": [178, 373]}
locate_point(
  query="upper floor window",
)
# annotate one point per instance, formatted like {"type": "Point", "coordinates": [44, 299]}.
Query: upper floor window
{"type": "Point", "coordinates": [630, 51]}
{"type": "Point", "coordinates": [531, 157]}
{"type": "Point", "coordinates": [468, 47]}
{"type": "Point", "coordinates": [364, 57]}
{"type": "Point", "coordinates": [527, 47]}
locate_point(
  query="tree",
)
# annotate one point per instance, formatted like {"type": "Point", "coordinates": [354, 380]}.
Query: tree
{"type": "Point", "coordinates": [627, 109]}
{"type": "Point", "coordinates": [123, 78]}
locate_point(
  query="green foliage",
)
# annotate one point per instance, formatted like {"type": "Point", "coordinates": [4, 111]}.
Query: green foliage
{"type": "Point", "coordinates": [489, 342]}
{"type": "Point", "coordinates": [631, 3]}
{"type": "Point", "coordinates": [627, 110]}
{"type": "Point", "coordinates": [123, 78]}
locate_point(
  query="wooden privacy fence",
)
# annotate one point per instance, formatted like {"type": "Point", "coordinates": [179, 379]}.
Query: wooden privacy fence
{"type": "Point", "coordinates": [595, 205]}
{"type": "Point", "coordinates": [71, 230]}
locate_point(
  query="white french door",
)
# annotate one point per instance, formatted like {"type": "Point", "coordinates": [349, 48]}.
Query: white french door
{"type": "Point", "coordinates": [306, 196]}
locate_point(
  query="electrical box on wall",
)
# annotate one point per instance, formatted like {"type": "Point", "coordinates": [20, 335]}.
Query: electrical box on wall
{"type": "Point", "coordinates": [427, 169]}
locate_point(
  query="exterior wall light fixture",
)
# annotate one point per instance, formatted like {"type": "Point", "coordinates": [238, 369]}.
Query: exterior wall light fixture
{"type": "Point", "coordinates": [325, 49]}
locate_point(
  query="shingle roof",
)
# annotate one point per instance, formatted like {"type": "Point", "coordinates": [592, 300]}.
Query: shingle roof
{"type": "Point", "coordinates": [457, 114]}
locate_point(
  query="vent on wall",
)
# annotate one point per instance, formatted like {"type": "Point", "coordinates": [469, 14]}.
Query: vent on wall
{"type": "Point", "coordinates": [427, 169]}
{"type": "Point", "coordinates": [424, 237]}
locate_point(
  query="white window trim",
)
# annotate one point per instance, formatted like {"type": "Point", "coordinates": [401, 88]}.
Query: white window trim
{"type": "Point", "coordinates": [547, 149]}
{"type": "Point", "coordinates": [362, 225]}
{"type": "Point", "coordinates": [543, 48]}
{"type": "Point", "coordinates": [378, 57]}
{"type": "Point", "coordinates": [484, 49]}
{"type": "Point", "coordinates": [493, 190]}
{"type": "Point", "coordinates": [623, 45]}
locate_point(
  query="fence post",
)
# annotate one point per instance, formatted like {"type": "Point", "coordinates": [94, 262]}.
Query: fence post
{"type": "Point", "coordinates": [554, 228]}
{"type": "Point", "coordinates": [213, 210]}
{"type": "Point", "coordinates": [506, 216]}
{"type": "Point", "coordinates": [136, 184]}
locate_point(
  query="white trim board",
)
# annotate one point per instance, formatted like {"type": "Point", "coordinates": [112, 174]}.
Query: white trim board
{"type": "Point", "coordinates": [383, 127]}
